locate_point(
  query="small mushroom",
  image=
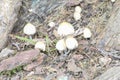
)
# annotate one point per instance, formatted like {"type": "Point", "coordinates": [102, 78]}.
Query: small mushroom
{"type": "Point", "coordinates": [65, 29]}
{"type": "Point", "coordinates": [29, 29]}
{"type": "Point", "coordinates": [40, 45]}
{"type": "Point", "coordinates": [51, 24]}
{"type": "Point", "coordinates": [71, 43]}
{"type": "Point", "coordinates": [77, 16]}
{"type": "Point", "coordinates": [78, 9]}
{"type": "Point", "coordinates": [60, 45]}
{"type": "Point", "coordinates": [87, 33]}
{"type": "Point", "coordinates": [113, 1]}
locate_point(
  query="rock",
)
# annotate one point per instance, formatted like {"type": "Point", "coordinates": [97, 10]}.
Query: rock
{"type": "Point", "coordinates": [8, 16]}
{"type": "Point", "coordinates": [104, 60]}
{"type": "Point", "coordinates": [19, 59]}
{"type": "Point", "coordinates": [109, 37]}
{"type": "Point", "coordinates": [111, 74]}
{"type": "Point", "coordinates": [39, 70]}
{"type": "Point", "coordinates": [17, 77]}
{"type": "Point", "coordinates": [6, 52]}
{"type": "Point", "coordinates": [30, 74]}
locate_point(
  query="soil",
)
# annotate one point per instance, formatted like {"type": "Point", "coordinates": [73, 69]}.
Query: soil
{"type": "Point", "coordinates": [88, 61]}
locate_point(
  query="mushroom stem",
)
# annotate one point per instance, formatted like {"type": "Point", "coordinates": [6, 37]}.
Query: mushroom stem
{"type": "Point", "coordinates": [89, 43]}
{"type": "Point", "coordinates": [66, 52]}
{"type": "Point", "coordinates": [30, 37]}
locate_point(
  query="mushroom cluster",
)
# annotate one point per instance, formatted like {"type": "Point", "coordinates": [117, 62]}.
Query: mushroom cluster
{"type": "Point", "coordinates": [66, 30]}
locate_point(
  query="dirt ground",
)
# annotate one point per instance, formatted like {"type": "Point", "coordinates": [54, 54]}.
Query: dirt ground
{"type": "Point", "coordinates": [92, 58]}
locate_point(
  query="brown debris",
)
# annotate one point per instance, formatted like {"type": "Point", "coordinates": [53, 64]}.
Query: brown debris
{"type": "Point", "coordinates": [19, 59]}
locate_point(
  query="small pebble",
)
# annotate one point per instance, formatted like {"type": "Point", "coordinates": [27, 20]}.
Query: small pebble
{"type": "Point", "coordinates": [104, 61]}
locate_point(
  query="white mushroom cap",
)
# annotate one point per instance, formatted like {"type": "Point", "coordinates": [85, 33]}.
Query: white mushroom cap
{"type": "Point", "coordinates": [113, 0]}
{"type": "Point", "coordinates": [87, 33]}
{"type": "Point", "coordinates": [65, 29]}
{"type": "Point", "coordinates": [78, 9]}
{"type": "Point", "coordinates": [29, 29]}
{"type": "Point", "coordinates": [40, 45]}
{"type": "Point", "coordinates": [51, 24]}
{"type": "Point", "coordinates": [71, 43]}
{"type": "Point", "coordinates": [77, 16]}
{"type": "Point", "coordinates": [60, 45]}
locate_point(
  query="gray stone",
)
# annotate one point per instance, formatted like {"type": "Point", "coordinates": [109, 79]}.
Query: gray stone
{"type": "Point", "coordinates": [8, 16]}
{"type": "Point", "coordinates": [19, 59]}
{"type": "Point", "coordinates": [6, 52]}
{"type": "Point", "coordinates": [111, 74]}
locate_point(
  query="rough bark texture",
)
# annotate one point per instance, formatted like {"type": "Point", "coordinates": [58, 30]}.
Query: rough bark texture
{"type": "Point", "coordinates": [110, 36]}
{"type": "Point", "coordinates": [8, 16]}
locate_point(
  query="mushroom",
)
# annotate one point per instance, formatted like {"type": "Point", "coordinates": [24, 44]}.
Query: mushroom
{"type": "Point", "coordinates": [78, 9]}
{"type": "Point", "coordinates": [113, 1]}
{"type": "Point", "coordinates": [77, 16]}
{"type": "Point", "coordinates": [65, 29]}
{"type": "Point", "coordinates": [60, 45]}
{"type": "Point", "coordinates": [71, 43]}
{"type": "Point", "coordinates": [40, 45]}
{"type": "Point", "coordinates": [87, 33]}
{"type": "Point", "coordinates": [29, 29]}
{"type": "Point", "coordinates": [51, 24]}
